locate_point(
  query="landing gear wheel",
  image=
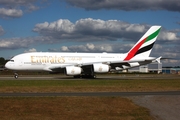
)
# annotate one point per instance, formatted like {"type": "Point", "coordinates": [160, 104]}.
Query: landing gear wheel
{"type": "Point", "coordinates": [15, 75]}
{"type": "Point", "coordinates": [94, 76]}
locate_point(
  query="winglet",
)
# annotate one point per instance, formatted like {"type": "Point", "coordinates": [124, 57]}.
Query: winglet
{"type": "Point", "coordinates": [158, 60]}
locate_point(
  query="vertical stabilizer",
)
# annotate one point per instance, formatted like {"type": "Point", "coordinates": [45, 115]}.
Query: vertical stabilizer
{"type": "Point", "coordinates": [144, 46]}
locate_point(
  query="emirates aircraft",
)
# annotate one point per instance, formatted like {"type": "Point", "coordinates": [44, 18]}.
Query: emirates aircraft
{"type": "Point", "coordinates": [87, 64]}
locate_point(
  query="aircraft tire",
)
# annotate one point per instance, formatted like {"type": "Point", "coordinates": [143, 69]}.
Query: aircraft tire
{"type": "Point", "coordinates": [16, 76]}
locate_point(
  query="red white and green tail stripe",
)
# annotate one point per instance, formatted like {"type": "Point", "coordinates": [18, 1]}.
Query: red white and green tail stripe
{"type": "Point", "coordinates": [144, 46]}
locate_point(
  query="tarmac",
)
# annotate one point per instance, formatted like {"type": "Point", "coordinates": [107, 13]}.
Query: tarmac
{"type": "Point", "coordinates": [98, 77]}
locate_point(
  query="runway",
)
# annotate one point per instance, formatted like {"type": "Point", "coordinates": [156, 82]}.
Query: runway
{"type": "Point", "coordinates": [99, 77]}
{"type": "Point", "coordinates": [89, 94]}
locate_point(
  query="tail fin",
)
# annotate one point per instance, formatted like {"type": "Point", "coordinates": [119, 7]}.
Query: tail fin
{"type": "Point", "coordinates": [144, 46]}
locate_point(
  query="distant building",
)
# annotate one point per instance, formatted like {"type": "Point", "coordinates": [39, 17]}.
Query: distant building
{"type": "Point", "coordinates": [152, 67]}
{"type": "Point", "coordinates": [166, 70]}
{"type": "Point", "coordinates": [171, 70]}
{"type": "Point", "coordinates": [143, 68]}
{"type": "Point", "coordinates": [175, 70]}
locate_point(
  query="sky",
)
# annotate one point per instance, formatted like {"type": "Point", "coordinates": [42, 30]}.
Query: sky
{"type": "Point", "coordinates": [111, 26]}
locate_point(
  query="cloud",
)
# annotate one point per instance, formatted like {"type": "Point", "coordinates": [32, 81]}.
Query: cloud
{"type": "Point", "coordinates": [18, 43]}
{"type": "Point", "coordinates": [1, 31]}
{"type": "Point", "coordinates": [169, 35]}
{"type": "Point", "coordinates": [13, 13]}
{"type": "Point", "coordinates": [13, 43]}
{"type": "Point", "coordinates": [89, 47]}
{"type": "Point", "coordinates": [89, 30]}
{"type": "Point", "coordinates": [127, 5]}
{"type": "Point", "coordinates": [19, 3]}
{"type": "Point", "coordinates": [65, 48]}
{"type": "Point", "coordinates": [16, 8]}
{"type": "Point", "coordinates": [59, 28]}
{"type": "Point", "coordinates": [95, 48]}
{"type": "Point", "coordinates": [30, 50]}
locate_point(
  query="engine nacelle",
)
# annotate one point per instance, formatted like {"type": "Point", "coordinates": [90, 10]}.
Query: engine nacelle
{"type": "Point", "coordinates": [134, 64]}
{"type": "Point", "coordinates": [131, 65]}
{"type": "Point", "coordinates": [101, 68]}
{"type": "Point", "coordinates": [73, 70]}
{"type": "Point", "coordinates": [118, 68]}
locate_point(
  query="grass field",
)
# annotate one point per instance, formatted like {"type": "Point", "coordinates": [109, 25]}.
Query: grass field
{"type": "Point", "coordinates": [71, 108]}
{"type": "Point", "coordinates": [89, 85]}
{"type": "Point", "coordinates": [78, 108]}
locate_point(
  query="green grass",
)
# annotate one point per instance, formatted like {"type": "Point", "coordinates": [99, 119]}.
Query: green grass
{"type": "Point", "coordinates": [76, 82]}
{"type": "Point", "coordinates": [88, 85]}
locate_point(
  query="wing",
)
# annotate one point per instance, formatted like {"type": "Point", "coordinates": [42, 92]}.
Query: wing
{"type": "Point", "coordinates": [103, 66]}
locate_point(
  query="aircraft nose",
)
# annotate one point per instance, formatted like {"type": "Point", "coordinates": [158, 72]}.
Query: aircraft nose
{"type": "Point", "coordinates": [8, 65]}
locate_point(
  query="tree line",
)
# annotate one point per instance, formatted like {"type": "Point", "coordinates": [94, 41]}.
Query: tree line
{"type": "Point", "coordinates": [2, 61]}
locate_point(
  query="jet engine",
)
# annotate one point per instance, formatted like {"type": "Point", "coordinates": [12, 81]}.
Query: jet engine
{"type": "Point", "coordinates": [134, 64]}
{"type": "Point", "coordinates": [131, 65]}
{"type": "Point", "coordinates": [72, 70]}
{"type": "Point", "coordinates": [101, 68]}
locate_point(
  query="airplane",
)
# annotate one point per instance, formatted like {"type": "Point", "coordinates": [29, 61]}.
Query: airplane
{"type": "Point", "coordinates": [85, 65]}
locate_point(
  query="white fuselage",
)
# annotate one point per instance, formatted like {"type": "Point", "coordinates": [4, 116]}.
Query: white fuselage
{"type": "Point", "coordinates": [45, 60]}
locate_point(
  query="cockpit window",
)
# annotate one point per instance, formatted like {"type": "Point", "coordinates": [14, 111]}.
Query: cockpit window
{"type": "Point", "coordinates": [12, 60]}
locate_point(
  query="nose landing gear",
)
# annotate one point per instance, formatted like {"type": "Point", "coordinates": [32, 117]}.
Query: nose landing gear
{"type": "Point", "coordinates": [15, 75]}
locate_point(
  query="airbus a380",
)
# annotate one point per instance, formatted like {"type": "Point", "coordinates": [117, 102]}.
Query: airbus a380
{"type": "Point", "coordinates": [87, 64]}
